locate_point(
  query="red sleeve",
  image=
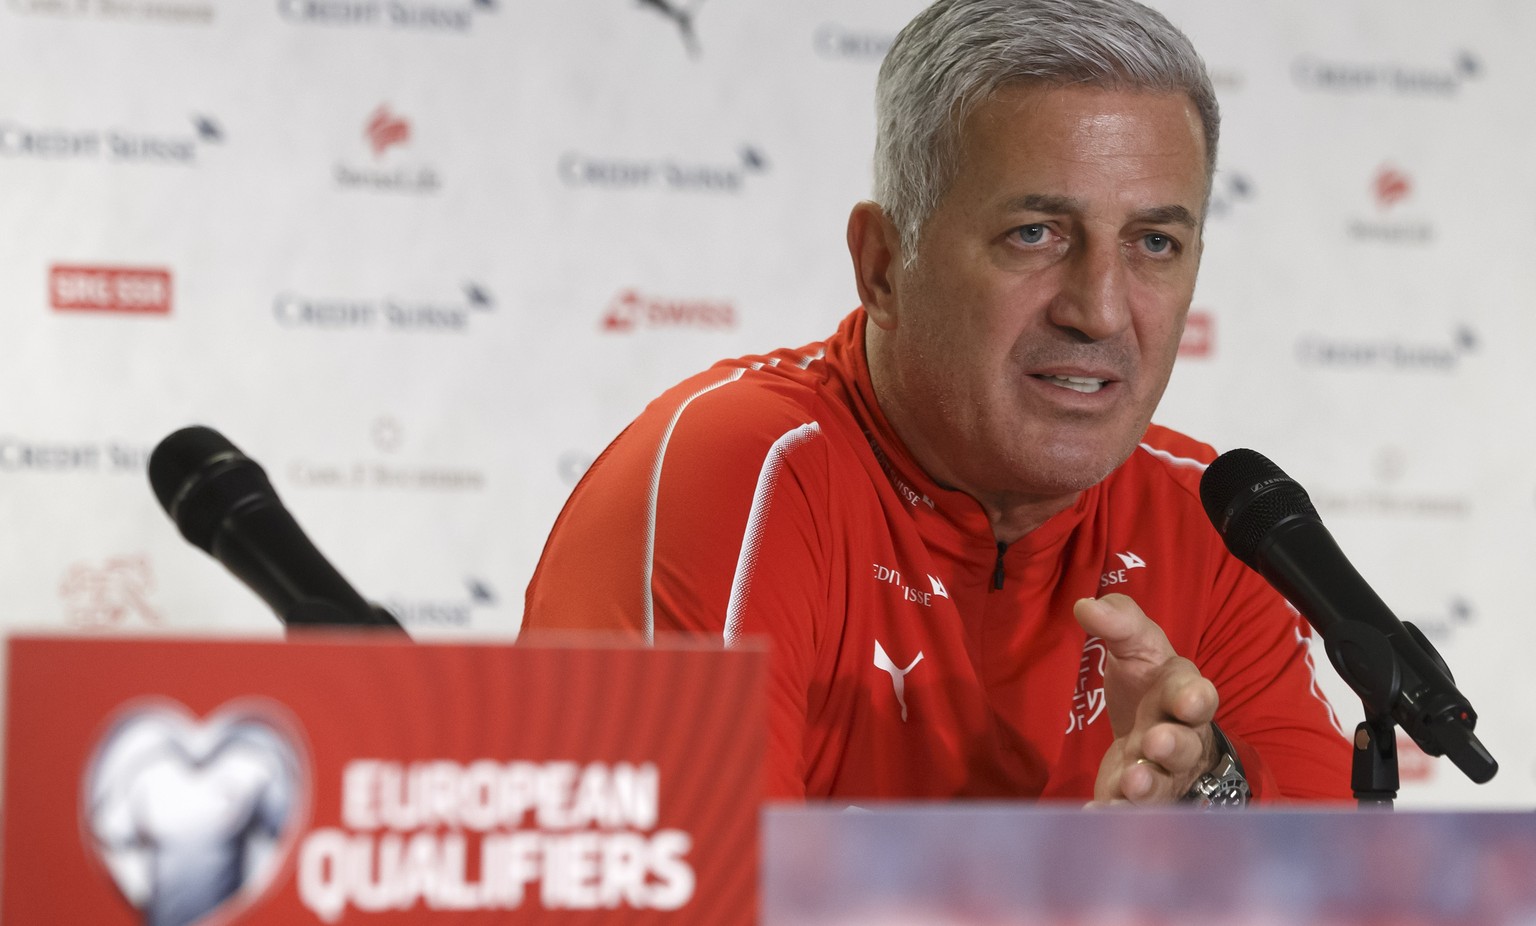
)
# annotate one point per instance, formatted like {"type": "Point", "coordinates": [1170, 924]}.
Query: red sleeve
{"type": "Point", "coordinates": [702, 518]}
{"type": "Point", "coordinates": [1257, 650]}
{"type": "Point", "coordinates": [1259, 655]}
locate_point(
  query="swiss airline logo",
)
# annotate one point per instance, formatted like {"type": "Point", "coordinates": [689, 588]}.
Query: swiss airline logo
{"type": "Point", "coordinates": [385, 129]}
{"type": "Point", "coordinates": [125, 290]}
{"type": "Point", "coordinates": [1390, 186]}
{"type": "Point", "coordinates": [632, 310]}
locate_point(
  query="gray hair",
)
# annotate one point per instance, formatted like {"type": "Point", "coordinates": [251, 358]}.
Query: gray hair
{"type": "Point", "coordinates": [957, 53]}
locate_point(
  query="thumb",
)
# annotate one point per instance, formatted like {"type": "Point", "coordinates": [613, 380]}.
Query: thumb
{"type": "Point", "coordinates": [1125, 629]}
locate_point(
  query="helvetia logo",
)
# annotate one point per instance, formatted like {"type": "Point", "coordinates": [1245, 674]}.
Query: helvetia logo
{"type": "Point", "coordinates": [631, 310]}
{"type": "Point", "coordinates": [408, 15]}
{"type": "Point", "coordinates": [384, 131]}
{"type": "Point", "coordinates": [114, 145]}
{"type": "Point", "coordinates": [192, 820]}
{"type": "Point", "coordinates": [1390, 188]}
{"type": "Point", "coordinates": [123, 290]}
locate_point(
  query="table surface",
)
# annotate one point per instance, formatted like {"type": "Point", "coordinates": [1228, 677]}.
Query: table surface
{"type": "Point", "coordinates": [1007, 863]}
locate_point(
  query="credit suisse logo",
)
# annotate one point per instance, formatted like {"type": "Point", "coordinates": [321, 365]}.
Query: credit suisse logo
{"type": "Point", "coordinates": [390, 313]}
{"type": "Point", "coordinates": [681, 15]}
{"type": "Point", "coordinates": [166, 12]}
{"type": "Point", "coordinates": [1229, 191]}
{"type": "Point", "coordinates": [577, 169]}
{"type": "Point", "coordinates": [631, 310]}
{"type": "Point", "coordinates": [1325, 75]}
{"type": "Point", "coordinates": [849, 43]}
{"type": "Point", "coordinates": [1427, 356]}
{"type": "Point", "coordinates": [444, 16]}
{"type": "Point", "coordinates": [122, 290]}
{"type": "Point", "coordinates": [113, 145]}
{"type": "Point", "coordinates": [444, 610]}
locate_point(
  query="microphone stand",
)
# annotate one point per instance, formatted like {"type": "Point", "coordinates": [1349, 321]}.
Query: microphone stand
{"type": "Point", "coordinates": [1373, 775]}
{"type": "Point", "coordinates": [1369, 662]}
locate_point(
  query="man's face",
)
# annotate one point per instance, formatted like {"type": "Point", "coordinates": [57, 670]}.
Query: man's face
{"type": "Point", "coordinates": [1028, 346]}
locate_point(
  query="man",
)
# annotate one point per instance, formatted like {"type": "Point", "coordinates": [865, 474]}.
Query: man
{"type": "Point", "coordinates": [918, 513]}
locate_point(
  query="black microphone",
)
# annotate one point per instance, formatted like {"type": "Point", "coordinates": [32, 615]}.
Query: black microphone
{"type": "Point", "coordinates": [224, 504]}
{"type": "Point", "coordinates": [1267, 521]}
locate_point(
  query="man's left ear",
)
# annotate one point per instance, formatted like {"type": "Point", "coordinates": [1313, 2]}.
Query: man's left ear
{"type": "Point", "coordinates": [875, 248]}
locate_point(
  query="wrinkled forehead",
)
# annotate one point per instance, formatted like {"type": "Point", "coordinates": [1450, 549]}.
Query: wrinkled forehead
{"type": "Point", "coordinates": [1028, 86]}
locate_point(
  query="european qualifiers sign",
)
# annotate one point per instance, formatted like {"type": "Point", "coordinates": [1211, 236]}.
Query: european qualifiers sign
{"type": "Point", "coordinates": [340, 779]}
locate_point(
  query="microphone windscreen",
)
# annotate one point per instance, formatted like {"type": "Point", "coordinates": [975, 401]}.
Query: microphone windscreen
{"type": "Point", "coordinates": [200, 478]}
{"type": "Point", "coordinates": [1246, 495]}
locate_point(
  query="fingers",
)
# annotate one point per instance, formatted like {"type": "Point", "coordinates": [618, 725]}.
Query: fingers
{"type": "Point", "coordinates": [1160, 707]}
{"type": "Point", "coordinates": [1170, 743]}
{"type": "Point", "coordinates": [1178, 692]}
{"type": "Point", "coordinates": [1179, 755]}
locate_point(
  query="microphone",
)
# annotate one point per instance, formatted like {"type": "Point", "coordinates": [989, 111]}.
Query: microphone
{"type": "Point", "coordinates": [223, 503]}
{"type": "Point", "coordinates": [1267, 521]}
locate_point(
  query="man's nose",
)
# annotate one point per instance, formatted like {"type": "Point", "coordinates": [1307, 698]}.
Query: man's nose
{"type": "Point", "coordinates": [1094, 300]}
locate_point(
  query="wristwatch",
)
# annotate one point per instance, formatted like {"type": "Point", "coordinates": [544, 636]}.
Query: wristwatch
{"type": "Point", "coordinates": [1223, 786]}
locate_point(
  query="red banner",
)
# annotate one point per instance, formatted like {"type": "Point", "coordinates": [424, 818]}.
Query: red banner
{"type": "Point", "coordinates": [336, 780]}
{"type": "Point", "coordinates": [134, 290]}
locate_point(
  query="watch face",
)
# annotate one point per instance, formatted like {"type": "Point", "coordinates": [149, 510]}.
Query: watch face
{"type": "Point", "coordinates": [1230, 794]}
{"type": "Point", "coordinates": [1226, 788]}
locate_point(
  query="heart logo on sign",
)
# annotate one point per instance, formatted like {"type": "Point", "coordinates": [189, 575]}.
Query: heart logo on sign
{"type": "Point", "coordinates": [195, 818]}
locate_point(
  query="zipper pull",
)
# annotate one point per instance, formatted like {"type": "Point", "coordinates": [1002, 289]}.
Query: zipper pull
{"type": "Point", "coordinates": [997, 571]}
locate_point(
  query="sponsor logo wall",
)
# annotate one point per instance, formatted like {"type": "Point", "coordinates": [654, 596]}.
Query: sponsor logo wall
{"type": "Point", "coordinates": [423, 258]}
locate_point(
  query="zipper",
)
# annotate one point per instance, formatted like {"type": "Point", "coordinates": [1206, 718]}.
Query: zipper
{"type": "Point", "coordinates": [997, 571]}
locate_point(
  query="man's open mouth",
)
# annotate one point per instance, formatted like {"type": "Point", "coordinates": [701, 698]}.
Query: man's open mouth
{"type": "Point", "coordinates": [1075, 383]}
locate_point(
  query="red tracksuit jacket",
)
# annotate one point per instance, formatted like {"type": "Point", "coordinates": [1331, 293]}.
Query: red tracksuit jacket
{"type": "Point", "coordinates": [911, 657]}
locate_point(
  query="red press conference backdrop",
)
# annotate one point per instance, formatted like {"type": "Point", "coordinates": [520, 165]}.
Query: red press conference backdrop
{"type": "Point", "coordinates": [370, 782]}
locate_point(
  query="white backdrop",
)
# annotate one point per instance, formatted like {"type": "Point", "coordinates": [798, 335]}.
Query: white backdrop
{"type": "Point", "coordinates": [423, 258]}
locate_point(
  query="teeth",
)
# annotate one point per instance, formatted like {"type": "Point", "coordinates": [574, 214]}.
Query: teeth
{"type": "Point", "coordinates": [1077, 383]}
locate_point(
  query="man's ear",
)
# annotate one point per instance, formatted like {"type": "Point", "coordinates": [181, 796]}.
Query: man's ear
{"type": "Point", "coordinates": [876, 250]}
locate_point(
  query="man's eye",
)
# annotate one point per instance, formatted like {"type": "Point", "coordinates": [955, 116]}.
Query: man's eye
{"type": "Point", "coordinates": [1159, 244]}
{"type": "Point", "coordinates": [1031, 234]}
